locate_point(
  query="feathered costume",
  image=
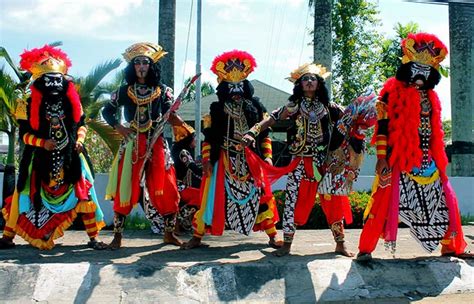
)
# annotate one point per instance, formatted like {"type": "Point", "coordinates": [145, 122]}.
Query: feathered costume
{"type": "Point", "coordinates": [53, 186]}
{"type": "Point", "coordinates": [409, 135]}
{"type": "Point", "coordinates": [233, 195]}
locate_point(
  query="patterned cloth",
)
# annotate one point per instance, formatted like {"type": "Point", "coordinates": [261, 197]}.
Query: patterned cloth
{"type": "Point", "coordinates": [423, 208]}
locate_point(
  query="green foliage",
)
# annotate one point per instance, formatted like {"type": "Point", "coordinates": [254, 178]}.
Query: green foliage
{"type": "Point", "coordinates": [206, 89]}
{"type": "Point", "coordinates": [447, 128]}
{"type": "Point", "coordinates": [391, 53]}
{"type": "Point", "coordinates": [137, 222]}
{"type": "Point", "coordinates": [467, 219]}
{"type": "Point", "coordinates": [356, 47]}
{"type": "Point", "coordinates": [317, 219]}
{"type": "Point", "coordinates": [101, 157]}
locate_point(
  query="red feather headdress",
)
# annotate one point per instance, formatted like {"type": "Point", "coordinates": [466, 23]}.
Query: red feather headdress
{"type": "Point", "coordinates": [233, 66]}
{"type": "Point", "coordinates": [423, 48]}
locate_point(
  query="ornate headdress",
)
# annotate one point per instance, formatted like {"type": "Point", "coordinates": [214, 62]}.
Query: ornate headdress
{"type": "Point", "coordinates": [183, 131]}
{"type": "Point", "coordinates": [233, 66]}
{"type": "Point", "coordinates": [147, 49]}
{"type": "Point", "coordinates": [309, 68]}
{"type": "Point", "coordinates": [47, 59]}
{"type": "Point", "coordinates": [423, 48]}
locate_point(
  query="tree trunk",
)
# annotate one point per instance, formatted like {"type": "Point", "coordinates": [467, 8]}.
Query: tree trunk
{"type": "Point", "coordinates": [322, 35]}
{"type": "Point", "coordinates": [461, 29]}
{"type": "Point", "coordinates": [166, 39]}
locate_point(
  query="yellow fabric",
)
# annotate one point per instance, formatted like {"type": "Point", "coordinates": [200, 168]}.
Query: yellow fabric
{"type": "Point", "coordinates": [375, 185]}
{"type": "Point", "coordinates": [268, 214]}
{"type": "Point", "coordinates": [198, 217]}
{"type": "Point", "coordinates": [82, 207]}
{"type": "Point", "coordinates": [422, 180]}
{"type": "Point", "coordinates": [12, 217]}
{"type": "Point", "coordinates": [111, 188]}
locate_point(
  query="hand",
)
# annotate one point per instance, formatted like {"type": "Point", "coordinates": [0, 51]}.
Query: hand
{"type": "Point", "coordinates": [79, 147]}
{"type": "Point", "coordinates": [381, 168]}
{"type": "Point", "coordinates": [269, 161]}
{"type": "Point", "coordinates": [206, 168]}
{"type": "Point", "coordinates": [50, 144]}
{"type": "Point", "coordinates": [248, 140]}
{"type": "Point", "coordinates": [124, 131]}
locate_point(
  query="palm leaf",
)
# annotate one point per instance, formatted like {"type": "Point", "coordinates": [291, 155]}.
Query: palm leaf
{"type": "Point", "coordinates": [21, 75]}
{"type": "Point", "coordinates": [93, 109]}
{"type": "Point", "coordinates": [107, 133]}
{"type": "Point", "coordinates": [55, 43]}
{"type": "Point", "coordinates": [90, 82]}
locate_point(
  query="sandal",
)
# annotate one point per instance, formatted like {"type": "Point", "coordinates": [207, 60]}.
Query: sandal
{"type": "Point", "coordinates": [97, 245]}
{"type": "Point", "coordinates": [4, 244]}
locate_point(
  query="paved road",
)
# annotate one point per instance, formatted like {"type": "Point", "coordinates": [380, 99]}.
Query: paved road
{"type": "Point", "coordinates": [233, 268]}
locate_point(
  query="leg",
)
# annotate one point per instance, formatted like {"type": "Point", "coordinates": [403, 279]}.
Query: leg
{"type": "Point", "coordinates": [170, 237]}
{"type": "Point", "coordinates": [119, 223]}
{"type": "Point", "coordinates": [289, 226]}
{"type": "Point", "coordinates": [336, 208]}
{"type": "Point", "coordinates": [91, 228]}
{"type": "Point", "coordinates": [337, 229]}
{"type": "Point", "coordinates": [271, 231]}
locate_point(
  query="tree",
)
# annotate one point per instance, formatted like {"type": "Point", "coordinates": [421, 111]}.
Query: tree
{"type": "Point", "coordinates": [93, 98]}
{"type": "Point", "coordinates": [322, 33]}
{"type": "Point", "coordinates": [11, 92]}
{"type": "Point", "coordinates": [355, 48]}
{"type": "Point", "coordinates": [206, 89]}
{"type": "Point", "coordinates": [166, 39]}
{"type": "Point", "coordinates": [391, 53]}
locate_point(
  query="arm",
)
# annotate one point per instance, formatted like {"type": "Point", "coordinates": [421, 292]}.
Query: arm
{"type": "Point", "coordinates": [381, 137]}
{"type": "Point", "coordinates": [267, 152]}
{"type": "Point", "coordinates": [279, 114]}
{"type": "Point", "coordinates": [111, 114]}
{"type": "Point", "coordinates": [81, 136]}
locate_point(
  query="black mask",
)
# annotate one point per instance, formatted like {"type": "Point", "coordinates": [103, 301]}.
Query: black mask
{"type": "Point", "coordinates": [51, 84]}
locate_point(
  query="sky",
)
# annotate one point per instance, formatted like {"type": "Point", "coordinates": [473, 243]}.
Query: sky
{"type": "Point", "coordinates": [275, 32]}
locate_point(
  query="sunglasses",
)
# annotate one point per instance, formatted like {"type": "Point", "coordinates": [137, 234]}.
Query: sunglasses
{"type": "Point", "coordinates": [141, 61]}
{"type": "Point", "coordinates": [308, 78]}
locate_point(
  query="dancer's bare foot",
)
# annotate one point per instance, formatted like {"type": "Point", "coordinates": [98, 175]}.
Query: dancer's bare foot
{"type": "Point", "coordinates": [6, 243]}
{"type": "Point", "coordinates": [116, 242]}
{"type": "Point", "coordinates": [275, 244]}
{"type": "Point", "coordinates": [364, 257]}
{"type": "Point", "coordinates": [342, 249]}
{"type": "Point", "coordinates": [283, 250]}
{"type": "Point", "coordinates": [171, 238]}
{"type": "Point", "coordinates": [192, 243]}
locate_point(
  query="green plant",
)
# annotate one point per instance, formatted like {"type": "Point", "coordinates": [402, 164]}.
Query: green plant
{"type": "Point", "coordinates": [317, 219]}
{"type": "Point", "coordinates": [467, 219]}
{"type": "Point", "coordinates": [99, 153]}
{"type": "Point", "coordinates": [137, 222]}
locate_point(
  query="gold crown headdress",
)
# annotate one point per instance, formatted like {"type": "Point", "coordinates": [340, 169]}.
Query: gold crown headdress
{"type": "Point", "coordinates": [183, 131]}
{"type": "Point", "coordinates": [423, 48]}
{"type": "Point", "coordinates": [308, 68]}
{"type": "Point", "coordinates": [233, 66]}
{"type": "Point", "coordinates": [48, 59]}
{"type": "Point", "coordinates": [147, 49]}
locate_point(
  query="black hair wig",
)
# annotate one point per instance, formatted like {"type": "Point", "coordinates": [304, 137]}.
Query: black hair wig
{"type": "Point", "coordinates": [153, 78]}
{"type": "Point", "coordinates": [321, 92]}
